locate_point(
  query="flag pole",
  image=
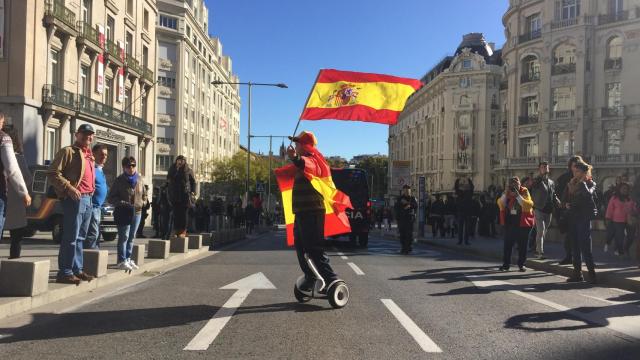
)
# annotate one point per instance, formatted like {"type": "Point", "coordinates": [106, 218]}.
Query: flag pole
{"type": "Point", "coordinates": [305, 105]}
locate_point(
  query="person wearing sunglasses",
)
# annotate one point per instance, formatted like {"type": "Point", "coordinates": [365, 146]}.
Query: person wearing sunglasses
{"type": "Point", "coordinates": [129, 195]}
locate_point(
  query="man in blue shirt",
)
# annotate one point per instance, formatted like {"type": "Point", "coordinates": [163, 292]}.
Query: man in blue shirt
{"type": "Point", "coordinates": [100, 194]}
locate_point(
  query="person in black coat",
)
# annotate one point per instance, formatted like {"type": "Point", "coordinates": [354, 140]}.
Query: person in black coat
{"type": "Point", "coordinates": [182, 187]}
{"type": "Point", "coordinates": [561, 216]}
{"type": "Point", "coordinates": [406, 207]}
{"type": "Point", "coordinates": [464, 204]}
{"type": "Point", "coordinates": [437, 216]}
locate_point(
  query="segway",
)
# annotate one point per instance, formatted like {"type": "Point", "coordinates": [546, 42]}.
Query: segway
{"type": "Point", "coordinates": [337, 292]}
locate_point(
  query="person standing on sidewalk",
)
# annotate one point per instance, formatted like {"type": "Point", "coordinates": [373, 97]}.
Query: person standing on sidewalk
{"type": "Point", "coordinates": [72, 174]}
{"type": "Point", "coordinates": [16, 174]}
{"type": "Point", "coordinates": [437, 217]}
{"type": "Point", "coordinates": [464, 206]}
{"type": "Point", "coordinates": [561, 188]}
{"type": "Point", "coordinates": [100, 154]}
{"type": "Point", "coordinates": [516, 215]}
{"type": "Point", "coordinates": [182, 187]}
{"type": "Point", "coordinates": [545, 200]}
{"type": "Point", "coordinates": [406, 207]}
{"type": "Point", "coordinates": [129, 195]}
{"type": "Point", "coordinates": [582, 208]}
{"type": "Point", "coordinates": [620, 216]}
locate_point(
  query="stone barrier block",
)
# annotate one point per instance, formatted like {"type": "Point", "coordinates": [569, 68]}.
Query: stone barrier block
{"type": "Point", "coordinates": [205, 238]}
{"type": "Point", "coordinates": [195, 241]}
{"type": "Point", "coordinates": [24, 277]}
{"type": "Point", "coordinates": [179, 245]}
{"type": "Point", "coordinates": [158, 249]}
{"type": "Point", "coordinates": [137, 255]}
{"type": "Point", "coordinates": [95, 262]}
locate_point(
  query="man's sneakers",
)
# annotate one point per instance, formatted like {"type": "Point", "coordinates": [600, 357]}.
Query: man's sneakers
{"type": "Point", "coordinates": [503, 268]}
{"type": "Point", "coordinates": [576, 277]}
{"type": "Point", "coordinates": [522, 269]}
{"type": "Point", "coordinates": [124, 266]}
{"type": "Point", "coordinates": [132, 264]}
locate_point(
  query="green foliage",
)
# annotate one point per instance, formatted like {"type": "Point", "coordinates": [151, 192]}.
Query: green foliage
{"type": "Point", "coordinates": [229, 175]}
{"type": "Point", "coordinates": [378, 168]}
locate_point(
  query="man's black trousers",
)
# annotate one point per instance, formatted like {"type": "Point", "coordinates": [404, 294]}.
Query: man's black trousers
{"type": "Point", "coordinates": [308, 232]}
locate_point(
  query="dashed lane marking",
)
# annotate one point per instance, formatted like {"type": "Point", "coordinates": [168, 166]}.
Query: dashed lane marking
{"type": "Point", "coordinates": [355, 268]}
{"type": "Point", "coordinates": [418, 335]}
{"type": "Point", "coordinates": [341, 254]}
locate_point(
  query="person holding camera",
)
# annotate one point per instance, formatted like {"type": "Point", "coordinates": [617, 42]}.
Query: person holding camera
{"type": "Point", "coordinates": [129, 196]}
{"type": "Point", "coordinates": [516, 215]}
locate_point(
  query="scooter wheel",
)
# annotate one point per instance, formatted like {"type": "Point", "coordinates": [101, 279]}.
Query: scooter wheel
{"type": "Point", "coordinates": [338, 295]}
{"type": "Point", "coordinates": [300, 296]}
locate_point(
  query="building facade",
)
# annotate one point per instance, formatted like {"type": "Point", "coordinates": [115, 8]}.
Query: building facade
{"type": "Point", "coordinates": [572, 75]}
{"type": "Point", "coordinates": [195, 118]}
{"type": "Point", "coordinates": [69, 62]}
{"type": "Point", "coordinates": [447, 129]}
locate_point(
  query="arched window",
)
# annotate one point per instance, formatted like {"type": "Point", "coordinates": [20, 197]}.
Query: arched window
{"type": "Point", "coordinates": [530, 69]}
{"type": "Point", "coordinates": [614, 48]}
{"type": "Point", "coordinates": [564, 54]}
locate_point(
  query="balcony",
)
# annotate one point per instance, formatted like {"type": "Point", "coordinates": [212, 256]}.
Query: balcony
{"type": "Point", "coordinates": [148, 76]}
{"type": "Point", "coordinates": [525, 161]}
{"type": "Point", "coordinates": [88, 36]}
{"type": "Point", "coordinates": [613, 64]}
{"type": "Point", "coordinates": [529, 77]}
{"type": "Point", "coordinates": [504, 85]}
{"type": "Point", "coordinates": [528, 119]}
{"type": "Point", "coordinates": [564, 114]}
{"type": "Point", "coordinates": [616, 159]}
{"type": "Point", "coordinates": [133, 67]}
{"type": "Point", "coordinates": [52, 94]}
{"type": "Point", "coordinates": [495, 106]}
{"type": "Point", "coordinates": [113, 50]}
{"type": "Point", "coordinates": [612, 111]}
{"type": "Point", "coordinates": [112, 115]}
{"type": "Point", "coordinates": [529, 36]}
{"type": "Point", "coordinates": [60, 16]}
{"type": "Point", "coordinates": [559, 69]}
{"type": "Point", "coordinates": [612, 18]}
{"type": "Point", "coordinates": [559, 24]}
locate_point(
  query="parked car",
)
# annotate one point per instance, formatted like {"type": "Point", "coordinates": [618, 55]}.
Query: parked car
{"type": "Point", "coordinates": [353, 182]}
{"type": "Point", "coordinates": [45, 212]}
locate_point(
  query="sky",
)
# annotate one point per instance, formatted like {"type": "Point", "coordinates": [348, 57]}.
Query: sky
{"type": "Point", "coordinates": [289, 41]}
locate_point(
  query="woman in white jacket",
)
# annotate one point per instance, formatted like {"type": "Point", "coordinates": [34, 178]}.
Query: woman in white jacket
{"type": "Point", "coordinates": [10, 176]}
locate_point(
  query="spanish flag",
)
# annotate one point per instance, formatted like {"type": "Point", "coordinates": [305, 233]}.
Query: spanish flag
{"type": "Point", "coordinates": [356, 96]}
{"type": "Point", "coordinates": [317, 171]}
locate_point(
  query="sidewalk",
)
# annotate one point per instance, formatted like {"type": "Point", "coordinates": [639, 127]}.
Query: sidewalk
{"type": "Point", "coordinates": [616, 271]}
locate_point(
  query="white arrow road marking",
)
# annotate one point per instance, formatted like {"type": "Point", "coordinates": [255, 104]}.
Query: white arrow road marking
{"type": "Point", "coordinates": [355, 268]}
{"type": "Point", "coordinates": [418, 335]}
{"type": "Point", "coordinates": [210, 331]}
{"type": "Point", "coordinates": [614, 318]}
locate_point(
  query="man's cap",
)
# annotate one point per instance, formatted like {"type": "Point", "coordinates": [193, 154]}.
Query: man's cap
{"type": "Point", "coordinates": [305, 138]}
{"type": "Point", "coordinates": [86, 128]}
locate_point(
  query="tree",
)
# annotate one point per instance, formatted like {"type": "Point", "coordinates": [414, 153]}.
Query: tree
{"type": "Point", "coordinates": [377, 168]}
{"type": "Point", "coordinates": [229, 175]}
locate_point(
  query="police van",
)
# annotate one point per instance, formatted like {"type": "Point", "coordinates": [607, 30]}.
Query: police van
{"type": "Point", "coordinates": [353, 182]}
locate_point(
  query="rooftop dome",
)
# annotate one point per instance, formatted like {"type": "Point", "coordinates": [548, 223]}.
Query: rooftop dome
{"type": "Point", "coordinates": [477, 44]}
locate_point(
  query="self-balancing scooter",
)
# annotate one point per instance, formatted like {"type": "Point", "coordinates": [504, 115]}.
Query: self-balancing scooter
{"type": "Point", "coordinates": [337, 292]}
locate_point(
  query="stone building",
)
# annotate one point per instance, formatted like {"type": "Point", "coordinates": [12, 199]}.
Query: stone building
{"type": "Point", "coordinates": [448, 127]}
{"type": "Point", "coordinates": [572, 75]}
{"type": "Point", "coordinates": [68, 62]}
{"type": "Point", "coordinates": [195, 118]}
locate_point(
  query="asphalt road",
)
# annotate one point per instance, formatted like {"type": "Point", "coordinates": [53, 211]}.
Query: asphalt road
{"type": "Point", "coordinates": [432, 304]}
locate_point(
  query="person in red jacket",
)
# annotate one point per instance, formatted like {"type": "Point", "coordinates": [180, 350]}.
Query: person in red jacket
{"type": "Point", "coordinates": [516, 215]}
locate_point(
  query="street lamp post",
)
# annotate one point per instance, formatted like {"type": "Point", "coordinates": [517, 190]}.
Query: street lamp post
{"type": "Point", "coordinates": [249, 84]}
{"type": "Point", "coordinates": [270, 155]}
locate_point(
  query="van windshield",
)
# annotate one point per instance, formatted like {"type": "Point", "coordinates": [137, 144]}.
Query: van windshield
{"type": "Point", "coordinates": [352, 182]}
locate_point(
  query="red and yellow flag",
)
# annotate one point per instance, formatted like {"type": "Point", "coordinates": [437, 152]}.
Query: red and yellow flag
{"type": "Point", "coordinates": [317, 171]}
{"type": "Point", "coordinates": [348, 95]}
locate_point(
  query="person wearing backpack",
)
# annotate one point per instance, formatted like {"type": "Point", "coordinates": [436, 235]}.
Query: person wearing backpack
{"type": "Point", "coordinates": [581, 205]}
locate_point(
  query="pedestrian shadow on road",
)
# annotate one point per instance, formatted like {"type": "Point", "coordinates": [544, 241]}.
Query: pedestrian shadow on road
{"type": "Point", "coordinates": [451, 275]}
{"type": "Point", "coordinates": [282, 307]}
{"type": "Point", "coordinates": [526, 288]}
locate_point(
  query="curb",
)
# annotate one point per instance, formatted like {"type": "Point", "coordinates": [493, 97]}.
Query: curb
{"type": "Point", "coordinates": [10, 306]}
{"type": "Point", "coordinates": [604, 277]}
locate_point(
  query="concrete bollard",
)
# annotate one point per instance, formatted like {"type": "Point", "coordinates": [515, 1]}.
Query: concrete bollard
{"type": "Point", "coordinates": [158, 249]}
{"type": "Point", "coordinates": [179, 245]}
{"type": "Point", "coordinates": [195, 242]}
{"type": "Point", "coordinates": [137, 255]}
{"type": "Point", "coordinates": [24, 277]}
{"type": "Point", "coordinates": [205, 238]}
{"type": "Point", "coordinates": [95, 262]}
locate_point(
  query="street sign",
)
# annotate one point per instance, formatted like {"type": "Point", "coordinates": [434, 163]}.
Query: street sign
{"type": "Point", "coordinates": [400, 175]}
{"type": "Point", "coordinates": [260, 187]}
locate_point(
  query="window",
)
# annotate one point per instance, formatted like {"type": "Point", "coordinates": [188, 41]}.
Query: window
{"type": "Point", "coordinates": [130, 7]}
{"type": "Point", "coordinates": [84, 80]}
{"type": "Point", "coordinates": [188, 31]}
{"type": "Point", "coordinates": [564, 101]}
{"type": "Point", "coordinates": [144, 100]}
{"type": "Point", "coordinates": [108, 96]}
{"type": "Point", "coordinates": [616, 6]}
{"type": "Point", "coordinates": [529, 146]}
{"type": "Point", "coordinates": [86, 11]}
{"type": "Point", "coordinates": [564, 54]}
{"type": "Point", "coordinates": [145, 56]}
{"type": "Point", "coordinates": [111, 26]}
{"type": "Point", "coordinates": [613, 95]}
{"type": "Point", "coordinates": [168, 22]}
{"type": "Point", "coordinates": [534, 24]}
{"type": "Point", "coordinates": [51, 148]}
{"type": "Point", "coordinates": [614, 48]}
{"type": "Point", "coordinates": [613, 138]}
{"type": "Point", "coordinates": [465, 82]}
{"type": "Point", "coordinates": [530, 68]}
{"type": "Point", "coordinates": [466, 64]}
{"type": "Point", "coordinates": [168, 141]}
{"type": "Point", "coordinates": [128, 44]}
{"type": "Point", "coordinates": [128, 97]}
{"type": "Point", "coordinates": [567, 9]}
{"type": "Point", "coordinates": [55, 67]}
{"type": "Point", "coordinates": [167, 81]}
{"type": "Point", "coordinates": [164, 162]}
{"type": "Point", "coordinates": [145, 19]}
{"type": "Point", "coordinates": [562, 143]}
{"type": "Point", "coordinates": [530, 106]}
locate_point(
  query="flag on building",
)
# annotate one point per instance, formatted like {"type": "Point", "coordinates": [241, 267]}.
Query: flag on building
{"type": "Point", "coordinates": [356, 96]}
{"type": "Point", "coordinates": [317, 171]}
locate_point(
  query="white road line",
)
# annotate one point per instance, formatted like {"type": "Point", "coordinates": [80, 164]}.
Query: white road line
{"type": "Point", "coordinates": [418, 335]}
{"type": "Point", "coordinates": [355, 268]}
{"type": "Point", "coordinates": [341, 254]}
{"type": "Point", "coordinates": [609, 301]}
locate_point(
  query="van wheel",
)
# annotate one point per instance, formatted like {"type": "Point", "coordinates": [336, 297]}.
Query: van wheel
{"type": "Point", "coordinates": [56, 230]}
{"type": "Point", "coordinates": [363, 239]}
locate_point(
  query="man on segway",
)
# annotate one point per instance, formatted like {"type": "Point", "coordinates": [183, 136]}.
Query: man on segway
{"type": "Point", "coordinates": [308, 205]}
